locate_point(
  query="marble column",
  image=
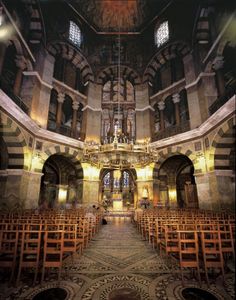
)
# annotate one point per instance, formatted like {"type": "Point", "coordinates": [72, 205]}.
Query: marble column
{"type": "Point", "coordinates": [217, 67]}
{"type": "Point", "coordinates": [111, 130]}
{"type": "Point", "coordinates": [125, 89]}
{"type": "Point", "coordinates": [21, 188]}
{"type": "Point", "coordinates": [161, 106]}
{"type": "Point", "coordinates": [125, 114]}
{"type": "Point", "coordinates": [75, 107]}
{"type": "Point", "coordinates": [112, 89]}
{"type": "Point", "coordinates": [3, 48]}
{"type": "Point", "coordinates": [60, 100]}
{"type": "Point", "coordinates": [21, 64]}
{"type": "Point", "coordinates": [207, 191]}
{"type": "Point", "coordinates": [176, 100]}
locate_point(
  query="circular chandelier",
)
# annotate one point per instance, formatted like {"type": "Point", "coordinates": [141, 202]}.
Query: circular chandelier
{"type": "Point", "coordinates": [119, 153]}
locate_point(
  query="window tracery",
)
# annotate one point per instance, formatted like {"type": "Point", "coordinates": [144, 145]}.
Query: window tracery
{"type": "Point", "coordinates": [75, 34]}
{"type": "Point", "coordinates": [162, 34]}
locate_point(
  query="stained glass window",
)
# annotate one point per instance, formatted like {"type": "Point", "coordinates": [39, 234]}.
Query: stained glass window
{"type": "Point", "coordinates": [162, 34]}
{"type": "Point", "coordinates": [107, 179]}
{"type": "Point", "coordinates": [125, 179]}
{"type": "Point", "coordinates": [74, 34]}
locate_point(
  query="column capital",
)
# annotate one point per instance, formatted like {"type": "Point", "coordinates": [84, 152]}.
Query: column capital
{"type": "Point", "coordinates": [20, 62]}
{"type": "Point", "coordinates": [218, 63]}
{"type": "Point", "coordinates": [161, 105]}
{"type": "Point", "coordinates": [75, 105]}
{"type": "Point", "coordinates": [176, 98]}
{"type": "Point", "coordinates": [61, 97]}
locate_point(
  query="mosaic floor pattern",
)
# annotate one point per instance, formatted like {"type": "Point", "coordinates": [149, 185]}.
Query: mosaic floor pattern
{"type": "Point", "coordinates": [119, 265]}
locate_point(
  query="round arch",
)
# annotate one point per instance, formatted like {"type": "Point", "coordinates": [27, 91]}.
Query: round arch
{"type": "Point", "coordinates": [175, 182]}
{"type": "Point", "coordinates": [72, 54]}
{"type": "Point", "coordinates": [126, 189]}
{"type": "Point", "coordinates": [61, 183]}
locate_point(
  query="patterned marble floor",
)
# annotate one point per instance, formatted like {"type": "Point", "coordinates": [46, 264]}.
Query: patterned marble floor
{"type": "Point", "coordinates": [119, 265]}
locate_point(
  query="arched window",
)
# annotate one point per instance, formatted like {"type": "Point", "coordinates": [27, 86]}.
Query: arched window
{"type": "Point", "coordinates": [106, 180]}
{"type": "Point", "coordinates": [75, 34]}
{"type": "Point", "coordinates": [162, 34]}
{"type": "Point", "coordinates": [112, 87]}
{"type": "Point", "coordinates": [125, 179]}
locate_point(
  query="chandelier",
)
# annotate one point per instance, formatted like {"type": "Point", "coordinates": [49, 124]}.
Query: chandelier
{"type": "Point", "coordinates": [120, 153]}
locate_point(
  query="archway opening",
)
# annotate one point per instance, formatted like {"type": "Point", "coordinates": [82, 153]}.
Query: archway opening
{"type": "Point", "coordinates": [61, 183]}
{"type": "Point", "coordinates": [177, 187]}
{"type": "Point", "coordinates": [121, 188]}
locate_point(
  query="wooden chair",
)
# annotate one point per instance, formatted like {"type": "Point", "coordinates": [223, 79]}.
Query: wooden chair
{"type": "Point", "coordinates": [188, 252]}
{"type": "Point", "coordinates": [8, 250]}
{"type": "Point", "coordinates": [30, 244]}
{"type": "Point", "coordinates": [52, 251]}
{"type": "Point", "coordinates": [227, 241]}
{"type": "Point", "coordinates": [169, 243]}
{"type": "Point", "coordinates": [211, 250]}
{"type": "Point", "coordinates": [69, 239]}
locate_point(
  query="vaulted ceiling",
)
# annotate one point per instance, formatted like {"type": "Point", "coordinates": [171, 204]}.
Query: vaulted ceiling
{"type": "Point", "coordinates": [118, 15]}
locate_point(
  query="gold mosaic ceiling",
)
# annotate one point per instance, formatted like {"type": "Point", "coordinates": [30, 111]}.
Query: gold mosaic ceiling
{"type": "Point", "coordinates": [118, 15]}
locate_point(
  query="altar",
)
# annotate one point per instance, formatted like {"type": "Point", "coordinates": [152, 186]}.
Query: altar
{"type": "Point", "coordinates": [117, 202]}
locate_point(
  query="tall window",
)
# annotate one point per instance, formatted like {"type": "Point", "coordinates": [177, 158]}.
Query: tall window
{"type": "Point", "coordinates": [107, 179]}
{"type": "Point", "coordinates": [162, 34]}
{"type": "Point", "coordinates": [74, 34]}
{"type": "Point", "coordinates": [125, 179]}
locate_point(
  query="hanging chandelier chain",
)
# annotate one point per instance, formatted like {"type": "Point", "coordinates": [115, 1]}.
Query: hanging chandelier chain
{"type": "Point", "coordinates": [119, 78]}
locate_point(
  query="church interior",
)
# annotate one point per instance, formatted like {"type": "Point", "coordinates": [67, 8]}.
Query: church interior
{"type": "Point", "coordinates": [117, 149]}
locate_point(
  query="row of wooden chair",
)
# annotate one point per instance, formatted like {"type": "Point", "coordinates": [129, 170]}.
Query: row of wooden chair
{"type": "Point", "coordinates": [41, 243]}
{"type": "Point", "coordinates": [198, 240]}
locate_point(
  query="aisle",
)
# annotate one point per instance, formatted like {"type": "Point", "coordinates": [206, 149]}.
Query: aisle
{"type": "Point", "coordinates": [117, 265]}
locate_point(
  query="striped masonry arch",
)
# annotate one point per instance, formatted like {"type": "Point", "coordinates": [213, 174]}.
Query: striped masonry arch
{"type": "Point", "coordinates": [36, 27]}
{"type": "Point", "coordinates": [73, 55]}
{"type": "Point", "coordinates": [72, 154]}
{"type": "Point", "coordinates": [163, 55]}
{"type": "Point", "coordinates": [224, 145]}
{"type": "Point", "coordinates": [125, 72]}
{"type": "Point", "coordinates": [15, 142]}
{"type": "Point", "coordinates": [169, 152]}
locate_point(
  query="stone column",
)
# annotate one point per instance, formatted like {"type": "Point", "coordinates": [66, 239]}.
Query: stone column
{"type": "Point", "coordinates": [75, 107]}
{"type": "Point", "coordinates": [60, 99]}
{"type": "Point", "coordinates": [111, 130]}
{"type": "Point", "coordinates": [176, 100]}
{"type": "Point", "coordinates": [21, 188]}
{"type": "Point", "coordinates": [161, 106]}
{"type": "Point", "coordinates": [3, 48]}
{"type": "Point", "coordinates": [111, 89]}
{"type": "Point", "coordinates": [125, 89]}
{"type": "Point", "coordinates": [21, 64]}
{"type": "Point", "coordinates": [208, 197]}
{"type": "Point", "coordinates": [125, 114]}
{"type": "Point", "coordinates": [217, 67]}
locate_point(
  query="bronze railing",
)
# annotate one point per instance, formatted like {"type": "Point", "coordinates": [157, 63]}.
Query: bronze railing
{"type": "Point", "coordinates": [220, 101]}
{"type": "Point", "coordinates": [16, 99]}
{"type": "Point", "coordinates": [172, 130]}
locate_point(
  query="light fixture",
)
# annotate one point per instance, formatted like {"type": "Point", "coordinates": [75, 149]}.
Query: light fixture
{"type": "Point", "coordinates": [120, 153]}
